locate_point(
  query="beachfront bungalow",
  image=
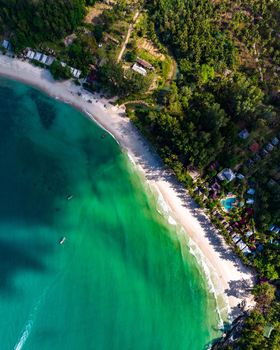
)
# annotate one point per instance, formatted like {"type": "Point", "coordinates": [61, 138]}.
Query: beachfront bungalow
{"type": "Point", "coordinates": [244, 134]}
{"type": "Point", "coordinates": [30, 54]}
{"type": "Point", "coordinates": [249, 234]}
{"type": "Point", "coordinates": [139, 69]}
{"type": "Point", "coordinates": [251, 191]}
{"type": "Point", "coordinates": [255, 147]}
{"type": "Point", "coordinates": [240, 176]}
{"type": "Point", "coordinates": [6, 44]}
{"type": "Point", "coordinates": [38, 56]}
{"type": "Point", "coordinates": [241, 245]}
{"type": "Point", "coordinates": [230, 229]}
{"type": "Point", "coordinates": [44, 59]}
{"type": "Point", "coordinates": [274, 228]}
{"type": "Point", "coordinates": [236, 238]}
{"type": "Point", "coordinates": [226, 175]}
{"type": "Point", "coordinates": [50, 60]}
{"type": "Point", "coordinates": [246, 250]}
{"type": "Point", "coordinates": [275, 141]}
{"type": "Point", "coordinates": [75, 72]}
{"type": "Point", "coordinates": [269, 147]}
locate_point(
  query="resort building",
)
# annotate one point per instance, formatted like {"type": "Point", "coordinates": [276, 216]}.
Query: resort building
{"type": "Point", "coordinates": [244, 134]}
{"type": "Point", "coordinates": [251, 191]}
{"type": "Point", "coordinates": [250, 201]}
{"type": "Point", "coordinates": [255, 147]}
{"type": "Point", "coordinates": [269, 147]}
{"type": "Point", "coordinates": [226, 175]}
{"type": "Point", "coordinates": [75, 72]}
{"type": "Point", "coordinates": [50, 60]}
{"type": "Point", "coordinates": [240, 176]}
{"type": "Point", "coordinates": [236, 238]}
{"type": "Point", "coordinates": [249, 234]}
{"type": "Point", "coordinates": [6, 44]}
{"type": "Point", "coordinates": [38, 56]}
{"type": "Point", "coordinates": [241, 245]}
{"type": "Point", "coordinates": [30, 54]}
{"type": "Point", "coordinates": [275, 141]}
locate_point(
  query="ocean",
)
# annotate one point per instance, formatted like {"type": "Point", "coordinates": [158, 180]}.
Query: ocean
{"type": "Point", "coordinates": [122, 279]}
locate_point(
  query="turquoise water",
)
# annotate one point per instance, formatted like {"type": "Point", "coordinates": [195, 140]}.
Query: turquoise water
{"type": "Point", "coordinates": [121, 279]}
{"type": "Point", "coordinates": [228, 203]}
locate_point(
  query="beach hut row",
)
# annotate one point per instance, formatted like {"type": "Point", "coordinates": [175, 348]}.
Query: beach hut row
{"type": "Point", "coordinates": [48, 60]}
{"type": "Point", "coordinates": [40, 57]}
{"type": "Point", "coordinates": [75, 72]}
{"type": "Point", "coordinates": [241, 244]}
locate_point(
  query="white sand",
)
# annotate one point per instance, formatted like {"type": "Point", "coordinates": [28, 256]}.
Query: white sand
{"type": "Point", "coordinates": [229, 276]}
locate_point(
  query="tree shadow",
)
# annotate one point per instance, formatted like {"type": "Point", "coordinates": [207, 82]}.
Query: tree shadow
{"type": "Point", "coordinates": [155, 170]}
{"type": "Point", "coordinates": [239, 289]}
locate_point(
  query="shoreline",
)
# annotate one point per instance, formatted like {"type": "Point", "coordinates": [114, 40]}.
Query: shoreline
{"type": "Point", "coordinates": [229, 277]}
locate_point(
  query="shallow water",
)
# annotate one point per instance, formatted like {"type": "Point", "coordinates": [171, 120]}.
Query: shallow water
{"type": "Point", "coordinates": [121, 279]}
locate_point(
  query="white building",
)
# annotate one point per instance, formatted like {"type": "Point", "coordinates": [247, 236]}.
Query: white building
{"type": "Point", "coordinates": [50, 60]}
{"type": "Point", "coordinates": [139, 69]}
{"type": "Point", "coordinates": [38, 56]}
{"type": "Point", "coordinates": [44, 59]}
{"type": "Point", "coordinates": [226, 174]}
{"type": "Point", "coordinates": [75, 72]}
{"type": "Point", "coordinates": [6, 44]}
{"type": "Point", "coordinates": [30, 54]}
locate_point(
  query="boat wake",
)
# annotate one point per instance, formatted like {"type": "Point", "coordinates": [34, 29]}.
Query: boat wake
{"type": "Point", "coordinates": [25, 335]}
{"type": "Point", "coordinates": [32, 316]}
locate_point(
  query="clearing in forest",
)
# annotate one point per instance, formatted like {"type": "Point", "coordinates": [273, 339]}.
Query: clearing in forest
{"type": "Point", "coordinates": [96, 11]}
{"type": "Point", "coordinates": [148, 45]}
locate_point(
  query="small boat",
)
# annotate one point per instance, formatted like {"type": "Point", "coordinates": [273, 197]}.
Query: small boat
{"type": "Point", "coordinates": [69, 197]}
{"type": "Point", "coordinates": [62, 240]}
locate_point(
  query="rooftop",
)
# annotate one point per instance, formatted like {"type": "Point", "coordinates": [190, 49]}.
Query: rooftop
{"type": "Point", "coordinates": [255, 147]}
{"type": "Point", "coordinates": [226, 174]}
{"type": "Point", "coordinates": [244, 134]}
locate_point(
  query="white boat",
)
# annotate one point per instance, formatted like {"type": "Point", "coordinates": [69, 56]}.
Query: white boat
{"type": "Point", "coordinates": [62, 240]}
{"type": "Point", "coordinates": [69, 197]}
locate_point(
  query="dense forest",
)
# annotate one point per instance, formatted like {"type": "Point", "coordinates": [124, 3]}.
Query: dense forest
{"type": "Point", "coordinates": [211, 95]}
{"type": "Point", "coordinates": [228, 56]}
{"type": "Point", "coordinates": [32, 22]}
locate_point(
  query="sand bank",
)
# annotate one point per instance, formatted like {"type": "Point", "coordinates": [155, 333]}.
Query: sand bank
{"type": "Point", "coordinates": [230, 278]}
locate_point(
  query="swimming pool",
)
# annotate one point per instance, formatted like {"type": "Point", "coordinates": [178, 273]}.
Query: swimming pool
{"type": "Point", "coordinates": [228, 203]}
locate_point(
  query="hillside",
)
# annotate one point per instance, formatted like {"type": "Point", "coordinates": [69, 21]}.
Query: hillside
{"type": "Point", "coordinates": [31, 22]}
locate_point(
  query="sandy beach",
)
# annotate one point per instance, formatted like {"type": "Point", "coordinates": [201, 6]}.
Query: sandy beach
{"type": "Point", "coordinates": [229, 277]}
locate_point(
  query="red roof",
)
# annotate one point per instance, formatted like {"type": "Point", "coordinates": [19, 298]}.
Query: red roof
{"type": "Point", "coordinates": [92, 76]}
{"type": "Point", "coordinates": [250, 211]}
{"type": "Point", "coordinates": [144, 63]}
{"type": "Point", "coordinates": [255, 147]}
